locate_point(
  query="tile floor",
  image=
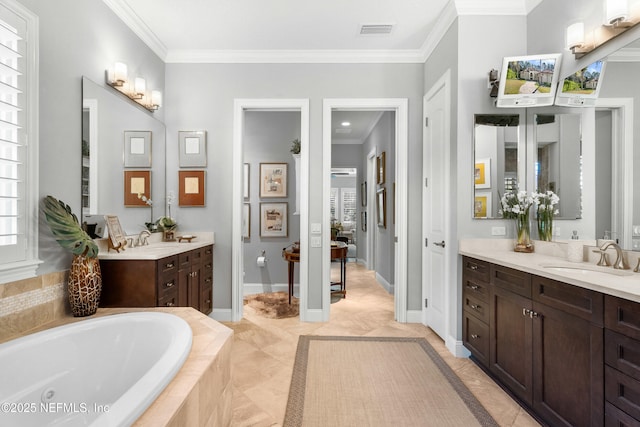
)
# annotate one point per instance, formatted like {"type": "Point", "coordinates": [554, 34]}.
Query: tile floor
{"type": "Point", "coordinates": [264, 349]}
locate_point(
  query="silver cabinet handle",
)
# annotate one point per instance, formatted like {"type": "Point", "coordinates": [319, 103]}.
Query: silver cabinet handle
{"type": "Point", "coordinates": [475, 336]}
{"type": "Point", "coordinates": [441, 244]}
{"type": "Point", "coordinates": [472, 267]}
{"type": "Point", "coordinates": [475, 306]}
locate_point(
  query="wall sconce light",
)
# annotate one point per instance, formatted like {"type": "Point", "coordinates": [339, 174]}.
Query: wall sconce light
{"type": "Point", "coordinates": [617, 20]}
{"type": "Point", "coordinates": [117, 78]}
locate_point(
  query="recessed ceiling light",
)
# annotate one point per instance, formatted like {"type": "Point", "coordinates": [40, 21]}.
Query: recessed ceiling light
{"type": "Point", "coordinates": [345, 124]}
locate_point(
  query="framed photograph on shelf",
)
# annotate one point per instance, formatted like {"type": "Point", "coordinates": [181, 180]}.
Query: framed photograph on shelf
{"type": "Point", "coordinates": [482, 204]}
{"type": "Point", "coordinates": [191, 188]}
{"type": "Point", "coordinates": [273, 219]}
{"type": "Point", "coordinates": [246, 220]}
{"type": "Point", "coordinates": [116, 236]}
{"type": "Point", "coordinates": [381, 167]}
{"type": "Point", "coordinates": [245, 182]}
{"type": "Point", "coordinates": [273, 180]}
{"type": "Point", "coordinates": [381, 207]}
{"type": "Point", "coordinates": [482, 173]}
{"type": "Point", "coordinates": [137, 149]}
{"type": "Point", "coordinates": [193, 149]}
{"type": "Point", "coordinates": [363, 193]}
{"type": "Point", "coordinates": [137, 183]}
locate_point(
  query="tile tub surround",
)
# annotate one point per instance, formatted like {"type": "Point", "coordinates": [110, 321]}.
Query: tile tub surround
{"type": "Point", "coordinates": [200, 394]}
{"type": "Point", "coordinates": [500, 251]}
{"type": "Point", "coordinates": [30, 303]}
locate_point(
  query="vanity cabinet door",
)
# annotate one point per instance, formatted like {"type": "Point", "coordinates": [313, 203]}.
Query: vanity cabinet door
{"type": "Point", "coordinates": [567, 366]}
{"type": "Point", "coordinates": [511, 341]}
{"type": "Point", "coordinates": [206, 282]}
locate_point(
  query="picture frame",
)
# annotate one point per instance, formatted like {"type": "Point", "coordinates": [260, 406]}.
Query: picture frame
{"type": "Point", "coordinates": [273, 180]}
{"type": "Point", "coordinates": [381, 207]}
{"type": "Point", "coordinates": [191, 188]}
{"type": "Point", "coordinates": [136, 182]}
{"type": "Point", "coordinates": [274, 219]}
{"type": "Point", "coordinates": [245, 182]}
{"type": "Point", "coordinates": [363, 194]}
{"type": "Point", "coordinates": [193, 149]}
{"type": "Point", "coordinates": [246, 220]}
{"type": "Point", "coordinates": [482, 204]}
{"type": "Point", "coordinates": [137, 149]}
{"type": "Point", "coordinates": [482, 173]}
{"type": "Point", "coordinates": [381, 168]}
{"type": "Point", "coordinates": [363, 221]}
{"type": "Point", "coordinates": [117, 237]}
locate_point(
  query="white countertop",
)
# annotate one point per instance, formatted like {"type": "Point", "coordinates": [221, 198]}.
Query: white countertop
{"type": "Point", "coordinates": [550, 260]}
{"type": "Point", "coordinates": [156, 249]}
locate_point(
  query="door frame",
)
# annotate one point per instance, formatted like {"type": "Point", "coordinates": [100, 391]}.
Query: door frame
{"type": "Point", "coordinates": [237, 261]}
{"type": "Point", "coordinates": [401, 108]}
{"type": "Point", "coordinates": [371, 211]}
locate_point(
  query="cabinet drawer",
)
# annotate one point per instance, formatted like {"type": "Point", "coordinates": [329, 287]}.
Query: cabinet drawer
{"type": "Point", "coordinates": [167, 265]}
{"type": "Point", "coordinates": [476, 288]}
{"type": "Point", "coordinates": [206, 299]}
{"type": "Point", "coordinates": [197, 255]}
{"type": "Point", "coordinates": [515, 281]}
{"type": "Point", "coordinates": [169, 299]}
{"type": "Point", "coordinates": [622, 353]}
{"type": "Point", "coordinates": [208, 251]}
{"type": "Point", "coordinates": [580, 302]}
{"type": "Point", "coordinates": [476, 338]}
{"type": "Point", "coordinates": [614, 417]}
{"type": "Point", "coordinates": [184, 259]}
{"type": "Point", "coordinates": [622, 391]}
{"type": "Point", "coordinates": [167, 283]}
{"type": "Point", "coordinates": [476, 269]}
{"type": "Point", "coordinates": [207, 266]}
{"type": "Point", "coordinates": [477, 308]}
{"type": "Point", "coordinates": [622, 315]}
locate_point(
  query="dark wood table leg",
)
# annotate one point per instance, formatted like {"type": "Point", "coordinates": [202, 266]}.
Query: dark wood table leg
{"type": "Point", "coordinates": [290, 280]}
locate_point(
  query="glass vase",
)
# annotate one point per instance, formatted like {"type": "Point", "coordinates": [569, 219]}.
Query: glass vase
{"type": "Point", "coordinates": [545, 226]}
{"type": "Point", "coordinates": [523, 234]}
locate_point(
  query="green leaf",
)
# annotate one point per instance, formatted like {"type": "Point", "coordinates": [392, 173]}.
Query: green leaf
{"type": "Point", "coordinates": [66, 229]}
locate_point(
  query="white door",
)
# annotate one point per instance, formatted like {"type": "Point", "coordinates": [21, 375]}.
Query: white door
{"type": "Point", "coordinates": [435, 201]}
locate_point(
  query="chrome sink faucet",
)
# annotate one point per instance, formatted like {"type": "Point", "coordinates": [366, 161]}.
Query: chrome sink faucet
{"type": "Point", "coordinates": [620, 263]}
{"type": "Point", "coordinates": [142, 237]}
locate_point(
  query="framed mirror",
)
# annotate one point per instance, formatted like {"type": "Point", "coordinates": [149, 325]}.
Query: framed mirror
{"type": "Point", "coordinates": [558, 160]}
{"type": "Point", "coordinates": [499, 160]}
{"type": "Point", "coordinates": [108, 118]}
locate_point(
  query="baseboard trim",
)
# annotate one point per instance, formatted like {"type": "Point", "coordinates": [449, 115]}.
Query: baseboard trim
{"type": "Point", "coordinates": [313, 315]}
{"type": "Point", "coordinates": [388, 286]}
{"type": "Point", "coordinates": [221, 314]}
{"type": "Point", "coordinates": [414, 316]}
{"type": "Point", "coordinates": [456, 347]}
{"type": "Point", "coordinates": [259, 288]}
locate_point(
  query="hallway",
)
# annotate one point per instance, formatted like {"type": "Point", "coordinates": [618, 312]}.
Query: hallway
{"type": "Point", "coordinates": [264, 350]}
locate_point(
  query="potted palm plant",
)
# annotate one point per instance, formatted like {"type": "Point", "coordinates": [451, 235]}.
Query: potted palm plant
{"type": "Point", "coordinates": [85, 280]}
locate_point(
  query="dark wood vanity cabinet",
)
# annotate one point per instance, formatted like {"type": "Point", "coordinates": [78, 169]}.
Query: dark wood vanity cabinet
{"type": "Point", "coordinates": [545, 344]}
{"type": "Point", "coordinates": [181, 280]}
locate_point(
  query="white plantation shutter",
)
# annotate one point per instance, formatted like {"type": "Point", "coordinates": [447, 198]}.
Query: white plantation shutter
{"type": "Point", "coordinates": [348, 204]}
{"type": "Point", "coordinates": [18, 178]}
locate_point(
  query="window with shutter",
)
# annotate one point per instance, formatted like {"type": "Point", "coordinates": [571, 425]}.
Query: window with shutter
{"type": "Point", "coordinates": [18, 142]}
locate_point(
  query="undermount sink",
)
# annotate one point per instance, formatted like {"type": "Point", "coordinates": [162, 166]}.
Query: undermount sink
{"type": "Point", "coordinates": [586, 269]}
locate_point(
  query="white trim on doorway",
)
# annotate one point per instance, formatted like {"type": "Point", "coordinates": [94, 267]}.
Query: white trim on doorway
{"type": "Point", "coordinates": [401, 108]}
{"type": "Point", "coordinates": [237, 263]}
{"type": "Point", "coordinates": [371, 211]}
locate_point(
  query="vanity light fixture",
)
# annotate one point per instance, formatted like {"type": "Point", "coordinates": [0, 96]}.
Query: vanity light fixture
{"type": "Point", "coordinates": [618, 17]}
{"type": "Point", "coordinates": [136, 91]}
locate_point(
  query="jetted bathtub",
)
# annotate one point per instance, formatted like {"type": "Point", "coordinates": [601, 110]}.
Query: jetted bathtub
{"type": "Point", "coordinates": [104, 371]}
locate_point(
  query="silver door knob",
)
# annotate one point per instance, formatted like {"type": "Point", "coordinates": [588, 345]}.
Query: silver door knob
{"type": "Point", "coordinates": [441, 244]}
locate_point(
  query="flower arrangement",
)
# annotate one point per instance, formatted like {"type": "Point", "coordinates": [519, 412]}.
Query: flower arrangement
{"type": "Point", "coordinates": [151, 226]}
{"type": "Point", "coordinates": [545, 202]}
{"type": "Point", "coordinates": [295, 146]}
{"type": "Point", "coordinates": [517, 206]}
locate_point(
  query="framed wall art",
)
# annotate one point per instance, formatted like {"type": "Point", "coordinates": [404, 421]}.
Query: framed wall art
{"type": "Point", "coordinates": [482, 204]}
{"type": "Point", "coordinates": [136, 183]}
{"type": "Point", "coordinates": [191, 188]}
{"type": "Point", "coordinates": [246, 220]}
{"type": "Point", "coordinates": [137, 149]}
{"type": "Point", "coordinates": [381, 167]}
{"type": "Point", "coordinates": [273, 219]}
{"type": "Point", "coordinates": [482, 173]}
{"type": "Point", "coordinates": [193, 149]}
{"type": "Point", "coordinates": [381, 207]}
{"type": "Point", "coordinates": [245, 182]}
{"type": "Point", "coordinates": [273, 180]}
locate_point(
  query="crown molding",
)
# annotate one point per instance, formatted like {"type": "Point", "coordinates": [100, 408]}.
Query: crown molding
{"type": "Point", "coordinates": [133, 21]}
{"type": "Point", "coordinates": [495, 7]}
{"type": "Point", "coordinates": [447, 17]}
{"type": "Point", "coordinates": [341, 56]}
{"type": "Point", "coordinates": [625, 55]}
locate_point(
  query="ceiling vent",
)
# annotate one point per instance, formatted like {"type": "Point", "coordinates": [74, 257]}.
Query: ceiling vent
{"type": "Point", "coordinates": [367, 29]}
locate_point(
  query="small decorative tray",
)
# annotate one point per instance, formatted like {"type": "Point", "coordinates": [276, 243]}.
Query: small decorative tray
{"type": "Point", "coordinates": [187, 237]}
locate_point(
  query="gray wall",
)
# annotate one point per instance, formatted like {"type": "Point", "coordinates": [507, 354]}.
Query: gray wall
{"type": "Point", "coordinates": [76, 38]}
{"type": "Point", "coordinates": [267, 139]}
{"type": "Point", "coordinates": [200, 96]}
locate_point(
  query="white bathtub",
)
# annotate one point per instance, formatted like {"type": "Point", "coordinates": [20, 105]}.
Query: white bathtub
{"type": "Point", "coordinates": [104, 371]}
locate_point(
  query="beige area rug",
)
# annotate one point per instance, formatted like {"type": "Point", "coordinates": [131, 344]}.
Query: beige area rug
{"type": "Point", "coordinates": [274, 305]}
{"type": "Point", "coordinates": [371, 381]}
